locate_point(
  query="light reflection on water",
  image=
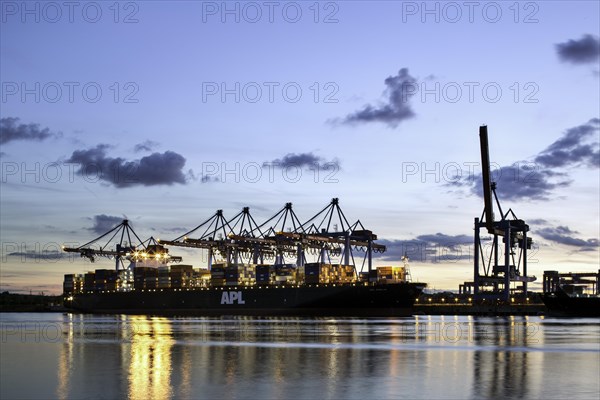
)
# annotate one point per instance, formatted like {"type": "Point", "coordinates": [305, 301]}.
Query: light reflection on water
{"type": "Point", "coordinates": [150, 358]}
{"type": "Point", "coordinates": [139, 357]}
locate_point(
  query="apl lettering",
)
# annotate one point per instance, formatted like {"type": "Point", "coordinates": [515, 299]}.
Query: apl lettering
{"type": "Point", "coordinates": [232, 298]}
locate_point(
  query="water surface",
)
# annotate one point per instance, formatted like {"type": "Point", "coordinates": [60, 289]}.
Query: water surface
{"type": "Point", "coordinates": [77, 356]}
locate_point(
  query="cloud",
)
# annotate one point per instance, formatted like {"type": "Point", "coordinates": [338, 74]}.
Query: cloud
{"type": "Point", "coordinates": [524, 180]}
{"type": "Point", "coordinates": [440, 239]}
{"type": "Point", "coordinates": [155, 169]}
{"type": "Point", "coordinates": [147, 145]}
{"type": "Point", "coordinates": [571, 149]}
{"type": "Point", "coordinates": [434, 248]}
{"type": "Point", "coordinates": [104, 223]}
{"type": "Point", "coordinates": [171, 230]}
{"type": "Point", "coordinates": [11, 130]}
{"type": "Point", "coordinates": [399, 90]}
{"type": "Point", "coordinates": [538, 179]}
{"type": "Point", "coordinates": [301, 160]}
{"type": "Point", "coordinates": [32, 255]}
{"type": "Point", "coordinates": [537, 221]}
{"type": "Point", "coordinates": [564, 235]}
{"type": "Point", "coordinates": [582, 51]}
{"type": "Point", "coordinates": [208, 179]}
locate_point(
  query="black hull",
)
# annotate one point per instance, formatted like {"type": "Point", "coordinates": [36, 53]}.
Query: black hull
{"type": "Point", "coordinates": [561, 304]}
{"type": "Point", "coordinates": [322, 300]}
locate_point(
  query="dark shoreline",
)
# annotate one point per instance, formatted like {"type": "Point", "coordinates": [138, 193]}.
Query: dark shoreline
{"type": "Point", "coordinates": [16, 302]}
{"type": "Point", "coordinates": [34, 310]}
{"type": "Point", "coordinates": [24, 303]}
{"type": "Point", "coordinates": [430, 309]}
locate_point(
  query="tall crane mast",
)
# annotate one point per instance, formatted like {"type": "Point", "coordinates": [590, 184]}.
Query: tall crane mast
{"type": "Point", "coordinates": [494, 273]}
{"type": "Point", "coordinates": [489, 187]}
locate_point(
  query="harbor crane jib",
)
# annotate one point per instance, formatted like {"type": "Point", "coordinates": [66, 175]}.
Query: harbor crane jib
{"type": "Point", "coordinates": [495, 271]}
{"type": "Point", "coordinates": [122, 243]}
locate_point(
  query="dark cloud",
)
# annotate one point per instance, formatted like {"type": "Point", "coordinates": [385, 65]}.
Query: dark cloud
{"type": "Point", "coordinates": [171, 230]}
{"type": "Point", "coordinates": [147, 145]}
{"type": "Point", "coordinates": [208, 179]}
{"type": "Point", "coordinates": [440, 239]}
{"type": "Point", "coordinates": [399, 90]}
{"type": "Point", "coordinates": [564, 235]}
{"type": "Point", "coordinates": [523, 180]}
{"type": "Point", "coordinates": [571, 149]}
{"type": "Point", "coordinates": [538, 179]}
{"type": "Point", "coordinates": [104, 223]}
{"type": "Point", "coordinates": [155, 169]}
{"type": "Point", "coordinates": [537, 221]}
{"type": "Point", "coordinates": [11, 130]}
{"type": "Point", "coordinates": [582, 51]}
{"type": "Point", "coordinates": [47, 255]}
{"type": "Point", "coordinates": [300, 160]}
{"type": "Point", "coordinates": [433, 248]}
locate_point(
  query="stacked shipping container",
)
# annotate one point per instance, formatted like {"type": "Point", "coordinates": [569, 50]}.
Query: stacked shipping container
{"type": "Point", "coordinates": [184, 276]}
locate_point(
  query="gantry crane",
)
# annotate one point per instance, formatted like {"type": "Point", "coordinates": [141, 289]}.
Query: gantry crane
{"type": "Point", "coordinates": [241, 238]}
{"type": "Point", "coordinates": [122, 237]}
{"type": "Point", "coordinates": [494, 273]}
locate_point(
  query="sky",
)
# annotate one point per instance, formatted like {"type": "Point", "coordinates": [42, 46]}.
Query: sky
{"type": "Point", "coordinates": [163, 112]}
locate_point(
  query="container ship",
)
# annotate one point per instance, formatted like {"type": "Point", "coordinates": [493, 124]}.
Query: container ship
{"type": "Point", "coordinates": [572, 294]}
{"type": "Point", "coordinates": [237, 280]}
{"type": "Point", "coordinates": [313, 289]}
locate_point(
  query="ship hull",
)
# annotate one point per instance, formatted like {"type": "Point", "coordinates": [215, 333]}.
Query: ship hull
{"type": "Point", "coordinates": [561, 304]}
{"type": "Point", "coordinates": [322, 300]}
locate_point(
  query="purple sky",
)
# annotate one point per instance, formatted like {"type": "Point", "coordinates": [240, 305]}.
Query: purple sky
{"type": "Point", "coordinates": [164, 112]}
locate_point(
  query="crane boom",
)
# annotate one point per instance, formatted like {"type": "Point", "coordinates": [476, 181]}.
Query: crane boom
{"type": "Point", "coordinates": [487, 183]}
